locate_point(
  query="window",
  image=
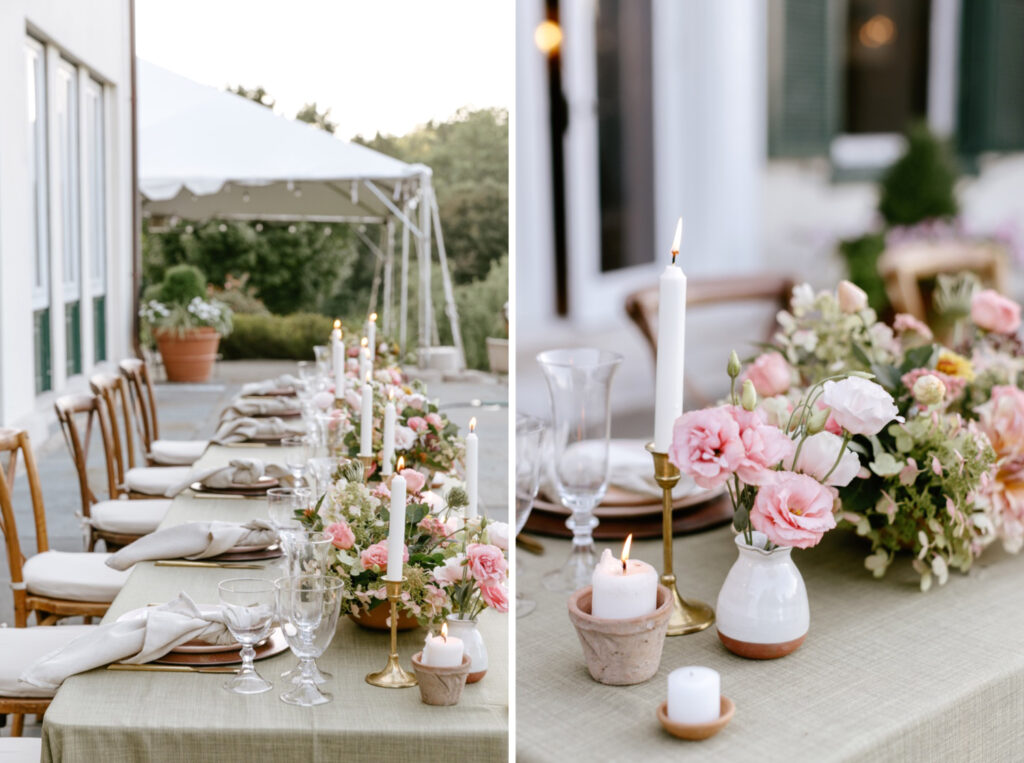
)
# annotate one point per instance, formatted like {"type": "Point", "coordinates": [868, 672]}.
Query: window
{"type": "Point", "coordinates": [35, 67]}
{"type": "Point", "coordinates": [66, 122]}
{"type": "Point", "coordinates": [93, 143]}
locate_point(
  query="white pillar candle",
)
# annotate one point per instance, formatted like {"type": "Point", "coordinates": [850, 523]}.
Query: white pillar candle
{"type": "Point", "coordinates": [362, 358]}
{"type": "Point", "coordinates": [623, 588]}
{"type": "Point", "coordinates": [396, 529]}
{"type": "Point", "coordinates": [366, 421]}
{"type": "Point", "coordinates": [694, 695]}
{"type": "Point", "coordinates": [388, 448]}
{"type": "Point", "coordinates": [443, 651]}
{"type": "Point", "coordinates": [338, 357]}
{"type": "Point", "coordinates": [668, 381]}
{"type": "Point", "coordinates": [371, 335]}
{"type": "Point", "coordinates": [472, 469]}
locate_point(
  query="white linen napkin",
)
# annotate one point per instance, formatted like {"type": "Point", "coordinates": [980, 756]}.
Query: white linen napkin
{"type": "Point", "coordinates": [193, 540]}
{"type": "Point", "coordinates": [240, 430]}
{"type": "Point", "coordinates": [282, 382]}
{"type": "Point", "coordinates": [260, 406]}
{"type": "Point", "coordinates": [134, 640]}
{"type": "Point", "coordinates": [239, 473]}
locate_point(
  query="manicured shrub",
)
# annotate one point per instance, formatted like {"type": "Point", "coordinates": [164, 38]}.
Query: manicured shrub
{"type": "Point", "coordinates": [280, 337]}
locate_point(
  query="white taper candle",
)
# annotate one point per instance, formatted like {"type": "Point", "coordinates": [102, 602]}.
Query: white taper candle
{"type": "Point", "coordinates": [668, 383]}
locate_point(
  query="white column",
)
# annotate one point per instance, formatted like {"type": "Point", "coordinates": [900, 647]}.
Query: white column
{"type": "Point", "coordinates": [58, 340]}
{"type": "Point", "coordinates": [85, 192]}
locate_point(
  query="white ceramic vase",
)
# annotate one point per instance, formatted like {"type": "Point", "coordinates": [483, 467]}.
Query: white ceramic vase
{"type": "Point", "coordinates": [762, 610]}
{"type": "Point", "coordinates": [473, 643]}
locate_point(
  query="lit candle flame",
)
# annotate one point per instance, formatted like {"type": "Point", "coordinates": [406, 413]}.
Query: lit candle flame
{"type": "Point", "coordinates": [368, 377]}
{"type": "Point", "coordinates": [677, 240]}
{"type": "Point", "coordinates": [391, 395]}
{"type": "Point", "coordinates": [444, 632]}
{"type": "Point", "coordinates": [364, 342]}
{"type": "Point", "coordinates": [472, 424]}
{"type": "Point", "coordinates": [625, 550]}
{"type": "Point", "coordinates": [401, 464]}
{"type": "Point", "coordinates": [547, 36]}
{"type": "Point", "coordinates": [337, 323]}
{"type": "Point", "coordinates": [373, 317]}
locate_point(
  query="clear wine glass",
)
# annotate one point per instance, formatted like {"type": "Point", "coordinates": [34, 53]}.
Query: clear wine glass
{"type": "Point", "coordinates": [299, 451]}
{"type": "Point", "coordinates": [322, 353]}
{"type": "Point", "coordinates": [248, 605]}
{"type": "Point", "coordinates": [308, 606]}
{"type": "Point", "coordinates": [306, 553]}
{"type": "Point", "coordinates": [528, 457]}
{"type": "Point", "coordinates": [283, 502]}
{"type": "Point", "coordinates": [579, 382]}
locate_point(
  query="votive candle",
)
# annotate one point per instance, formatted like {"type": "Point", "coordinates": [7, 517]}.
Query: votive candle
{"type": "Point", "coordinates": [694, 695]}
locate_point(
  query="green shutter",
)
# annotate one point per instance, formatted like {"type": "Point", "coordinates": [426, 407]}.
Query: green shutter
{"type": "Point", "coordinates": [804, 76]}
{"type": "Point", "coordinates": [99, 328]}
{"type": "Point", "coordinates": [991, 76]}
{"type": "Point", "coordinates": [73, 336]}
{"type": "Point", "coordinates": [41, 331]}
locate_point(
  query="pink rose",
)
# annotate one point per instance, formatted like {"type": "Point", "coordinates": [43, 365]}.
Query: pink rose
{"type": "Point", "coordinates": [992, 311]}
{"type": "Point", "coordinates": [819, 454]}
{"type": "Point", "coordinates": [451, 572]}
{"type": "Point", "coordinates": [770, 374]}
{"type": "Point", "coordinates": [795, 510]}
{"type": "Point", "coordinates": [433, 526]}
{"type": "Point", "coordinates": [414, 481]}
{"type": "Point", "coordinates": [435, 420]}
{"type": "Point", "coordinates": [376, 556]}
{"type": "Point", "coordinates": [495, 597]}
{"type": "Point", "coordinates": [706, 445]}
{"type": "Point", "coordinates": [486, 563]}
{"type": "Point", "coordinates": [341, 535]}
{"type": "Point", "coordinates": [905, 323]}
{"type": "Point", "coordinates": [860, 406]}
{"type": "Point", "coordinates": [353, 351]}
{"type": "Point", "coordinates": [1002, 421]}
{"type": "Point", "coordinates": [416, 423]}
{"type": "Point", "coordinates": [396, 376]}
{"type": "Point", "coordinates": [765, 446]}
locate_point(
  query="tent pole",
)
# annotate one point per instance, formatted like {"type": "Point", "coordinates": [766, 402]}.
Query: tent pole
{"type": "Point", "coordinates": [449, 293]}
{"type": "Point", "coordinates": [377, 268]}
{"type": "Point", "coordinates": [403, 295]}
{"type": "Point", "coordinates": [426, 308]}
{"type": "Point", "coordinates": [389, 262]}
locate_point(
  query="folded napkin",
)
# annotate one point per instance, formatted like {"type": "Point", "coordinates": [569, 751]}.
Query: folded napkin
{"type": "Point", "coordinates": [283, 382]}
{"type": "Point", "coordinates": [260, 406]}
{"type": "Point", "coordinates": [135, 640]}
{"type": "Point", "coordinates": [240, 430]}
{"type": "Point", "coordinates": [239, 473]}
{"type": "Point", "coordinates": [193, 540]}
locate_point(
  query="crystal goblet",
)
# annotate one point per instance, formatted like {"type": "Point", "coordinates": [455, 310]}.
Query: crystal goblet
{"type": "Point", "coordinates": [308, 606]}
{"type": "Point", "coordinates": [248, 605]}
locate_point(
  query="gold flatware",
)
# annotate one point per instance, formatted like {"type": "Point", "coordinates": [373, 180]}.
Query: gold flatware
{"type": "Point", "coordinates": [189, 563]}
{"type": "Point", "coordinates": [146, 668]}
{"type": "Point", "coordinates": [232, 496]}
{"type": "Point", "coordinates": [532, 545]}
{"type": "Point", "coordinates": [244, 445]}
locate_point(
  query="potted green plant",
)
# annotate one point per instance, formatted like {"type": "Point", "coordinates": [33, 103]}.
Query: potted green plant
{"type": "Point", "coordinates": [185, 325]}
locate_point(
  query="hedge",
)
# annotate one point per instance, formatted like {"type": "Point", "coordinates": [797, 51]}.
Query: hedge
{"type": "Point", "coordinates": [281, 337]}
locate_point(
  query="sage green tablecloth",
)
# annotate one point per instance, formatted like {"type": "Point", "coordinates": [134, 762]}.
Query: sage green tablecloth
{"type": "Point", "coordinates": [887, 673]}
{"type": "Point", "coordinates": [127, 716]}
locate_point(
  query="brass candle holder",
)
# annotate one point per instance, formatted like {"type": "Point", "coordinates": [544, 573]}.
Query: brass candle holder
{"type": "Point", "coordinates": [367, 462]}
{"type": "Point", "coordinates": [687, 616]}
{"type": "Point", "coordinates": [393, 676]}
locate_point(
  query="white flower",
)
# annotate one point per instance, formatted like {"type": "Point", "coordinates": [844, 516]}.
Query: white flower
{"type": "Point", "coordinates": [929, 390]}
{"type": "Point", "coordinates": [497, 534]}
{"type": "Point", "coordinates": [450, 572]}
{"type": "Point", "coordinates": [405, 438]}
{"type": "Point", "coordinates": [803, 299]}
{"type": "Point", "coordinates": [852, 298]}
{"type": "Point", "coordinates": [820, 452]}
{"type": "Point", "coordinates": [805, 340]}
{"type": "Point", "coordinates": [860, 406]}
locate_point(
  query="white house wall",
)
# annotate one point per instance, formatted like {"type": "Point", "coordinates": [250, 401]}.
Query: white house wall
{"type": "Point", "coordinates": [96, 37]}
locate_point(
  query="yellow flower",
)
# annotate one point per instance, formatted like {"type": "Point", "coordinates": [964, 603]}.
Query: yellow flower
{"type": "Point", "coordinates": [955, 365]}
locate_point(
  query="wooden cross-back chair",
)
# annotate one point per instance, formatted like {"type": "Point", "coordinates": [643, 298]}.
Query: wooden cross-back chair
{"type": "Point", "coordinates": [158, 452]}
{"type": "Point", "coordinates": [642, 306]}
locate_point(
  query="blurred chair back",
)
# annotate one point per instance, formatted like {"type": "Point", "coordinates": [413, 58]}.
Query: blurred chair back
{"type": "Point", "coordinates": [112, 392]}
{"type": "Point", "coordinates": [13, 442]}
{"type": "Point", "coordinates": [140, 389]}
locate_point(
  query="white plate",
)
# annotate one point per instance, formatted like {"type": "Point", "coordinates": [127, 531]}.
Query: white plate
{"type": "Point", "coordinates": [190, 647]}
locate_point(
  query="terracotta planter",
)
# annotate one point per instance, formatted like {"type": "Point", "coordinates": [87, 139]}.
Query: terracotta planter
{"type": "Point", "coordinates": [440, 686]}
{"type": "Point", "coordinates": [377, 619]}
{"type": "Point", "coordinates": [188, 357]}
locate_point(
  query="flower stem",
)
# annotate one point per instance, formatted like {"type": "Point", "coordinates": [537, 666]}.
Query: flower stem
{"type": "Point", "coordinates": [842, 452]}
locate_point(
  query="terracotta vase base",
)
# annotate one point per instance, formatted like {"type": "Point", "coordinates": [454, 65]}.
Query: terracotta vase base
{"type": "Point", "coordinates": [754, 651]}
{"type": "Point", "coordinates": [377, 619]}
{"type": "Point", "coordinates": [472, 678]}
{"type": "Point", "coordinates": [696, 731]}
{"type": "Point", "coordinates": [440, 686]}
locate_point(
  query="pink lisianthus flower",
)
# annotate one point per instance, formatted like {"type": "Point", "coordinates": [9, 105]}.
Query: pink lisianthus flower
{"type": "Point", "coordinates": [993, 312]}
{"type": "Point", "coordinates": [706, 445]}
{"type": "Point", "coordinates": [905, 323]}
{"type": "Point", "coordinates": [376, 556]}
{"type": "Point", "coordinates": [416, 423]}
{"type": "Point", "coordinates": [486, 563]}
{"type": "Point", "coordinates": [495, 597]}
{"type": "Point", "coordinates": [414, 481]}
{"type": "Point", "coordinates": [435, 420]}
{"type": "Point", "coordinates": [1002, 421]}
{"type": "Point", "coordinates": [819, 455]}
{"type": "Point", "coordinates": [433, 526]}
{"type": "Point", "coordinates": [451, 572]}
{"type": "Point", "coordinates": [831, 425]}
{"type": "Point", "coordinates": [860, 406]}
{"type": "Point", "coordinates": [405, 438]}
{"type": "Point", "coordinates": [341, 535]}
{"type": "Point", "coordinates": [770, 374]}
{"type": "Point", "coordinates": [765, 446]}
{"type": "Point", "coordinates": [794, 510]}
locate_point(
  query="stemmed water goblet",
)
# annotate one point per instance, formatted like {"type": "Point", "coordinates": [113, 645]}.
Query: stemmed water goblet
{"type": "Point", "coordinates": [579, 382]}
{"type": "Point", "coordinates": [528, 458]}
{"type": "Point", "coordinates": [308, 607]}
{"type": "Point", "coordinates": [306, 553]}
{"type": "Point", "coordinates": [283, 502]}
{"type": "Point", "coordinates": [299, 451]}
{"type": "Point", "coordinates": [248, 605]}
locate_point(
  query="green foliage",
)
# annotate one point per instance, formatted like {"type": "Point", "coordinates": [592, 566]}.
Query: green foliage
{"type": "Point", "coordinates": [285, 337]}
{"type": "Point", "coordinates": [240, 297]}
{"type": "Point", "coordinates": [181, 284]}
{"type": "Point", "coordinates": [481, 312]}
{"type": "Point", "coordinates": [258, 94]}
{"type": "Point", "coordinates": [919, 186]}
{"type": "Point", "coordinates": [311, 114]}
{"type": "Point", "coordinates": [861, 255]}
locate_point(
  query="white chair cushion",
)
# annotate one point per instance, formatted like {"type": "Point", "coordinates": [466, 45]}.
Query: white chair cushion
{"type": "Point", "coordinates": [139, 517]}
{"type": "Point", "coordinates": [155, 480]}
{"type": "Point", "coordinates": [76, 576]}
{"type": "Point", "coordinates": [21, 750]}
{"type": "Point", "coordinates": [177, 452]}
{"type": "Point", "coordinates": [20, 647]}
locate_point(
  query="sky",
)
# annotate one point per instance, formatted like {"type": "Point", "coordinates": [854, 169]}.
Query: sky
{"type": "Point", "coordinates": [380, 65]}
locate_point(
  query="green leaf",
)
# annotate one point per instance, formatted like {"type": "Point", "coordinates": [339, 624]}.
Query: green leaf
{"type": "Point", "coordinates": [919, 357]}
{"type": "Point", "coordinates": [886, 465]}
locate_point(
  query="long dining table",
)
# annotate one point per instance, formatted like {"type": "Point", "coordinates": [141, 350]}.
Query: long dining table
{"type": "Point", "coordinates": [110, 716]}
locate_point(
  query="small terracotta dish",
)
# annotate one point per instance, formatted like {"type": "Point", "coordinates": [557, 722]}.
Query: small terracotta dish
{"type": "Point", "coordinates": [440, 686]}
{"type": "Point", "coordinates": [696, 731]}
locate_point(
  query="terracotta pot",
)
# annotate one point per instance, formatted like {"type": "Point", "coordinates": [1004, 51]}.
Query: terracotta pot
{"type": "Point", "coordinates": [621, 652]}
{"type": "Point", "coordinates": [188, 357]}
{"type": "Point", "coordinates": [377, 619]}
{"type": "Point", "coordinates": [440, 686]}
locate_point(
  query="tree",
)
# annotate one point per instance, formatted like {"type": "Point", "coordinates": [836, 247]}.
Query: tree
{"type": "Point", "coordinates": [258, 94]}
{"type": "Point", "coordinates": [311, 114]}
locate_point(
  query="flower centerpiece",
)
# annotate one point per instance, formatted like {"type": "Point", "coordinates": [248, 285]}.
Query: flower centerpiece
{"type": "Point", "coordinates": [185, 325]}
{"type": "Point", "coordinates": [783, 480]}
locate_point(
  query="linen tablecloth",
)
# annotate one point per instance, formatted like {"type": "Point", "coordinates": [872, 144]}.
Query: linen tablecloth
{"type": "Point", "coordinates": [126, 716]}
{"type": "Point", "coordinates": [887, 673]}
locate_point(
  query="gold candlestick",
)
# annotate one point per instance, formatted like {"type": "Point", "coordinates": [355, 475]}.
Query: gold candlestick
{"type": "Point", "coordinates": [393, 676]}
{"type": "Point", "coordinates": [367, 462]}
{"type": "Point", "coordinates": [687, 616]}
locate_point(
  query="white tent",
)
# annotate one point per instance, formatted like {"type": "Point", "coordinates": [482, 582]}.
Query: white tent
{"type": "Point", "coordinates": [205, 153]}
